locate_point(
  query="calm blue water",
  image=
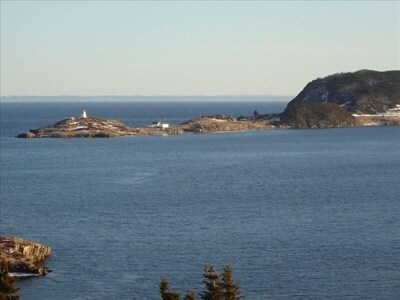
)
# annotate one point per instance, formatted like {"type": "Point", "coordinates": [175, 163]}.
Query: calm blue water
{"type": "Point", "coordinates": [299, 214]}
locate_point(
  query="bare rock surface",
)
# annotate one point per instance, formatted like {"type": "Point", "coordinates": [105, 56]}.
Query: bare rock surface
{"type": "Point", "coordinates": [23, 256]}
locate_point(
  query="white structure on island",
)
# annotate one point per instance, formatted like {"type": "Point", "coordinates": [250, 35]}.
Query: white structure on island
{"type": "Point", "coordinates": [83, 114]}
{"type": "Point", "coordinates": [161, 125]}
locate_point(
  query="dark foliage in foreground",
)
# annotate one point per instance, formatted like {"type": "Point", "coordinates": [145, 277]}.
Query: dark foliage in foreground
{"type": "Point", "coordinates": [217, 287]}
{"type": "Point", "coordinates": [7, 287]}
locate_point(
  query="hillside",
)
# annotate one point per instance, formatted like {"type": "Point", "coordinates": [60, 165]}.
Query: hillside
{"type": "Point", "coordinates": [318, 115]}
{"type": "Point", "coordinates": [345, 99]}
{"type": "Point", "coordinates": [364, 91]}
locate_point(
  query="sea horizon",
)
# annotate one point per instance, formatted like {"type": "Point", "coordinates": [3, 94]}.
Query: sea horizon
{"type": "Point", "coordinates": [143, 98]}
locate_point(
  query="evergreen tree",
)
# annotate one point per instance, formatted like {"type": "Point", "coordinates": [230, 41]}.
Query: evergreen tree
{"type": "Point", "coordinates": [163, 288]}
{"type": "Point", "coordinates": [217, 287]}
{"type": "Point", "coordinates": [231, 289]}
{"type": "Point", "coordinates": [213, 286]}
{"type": "Point", "coordinates": [7, 288]}
{"type": "Point", "coordinates": [165, 294]}
{"type": "Point", "coordinates": [190, 295]}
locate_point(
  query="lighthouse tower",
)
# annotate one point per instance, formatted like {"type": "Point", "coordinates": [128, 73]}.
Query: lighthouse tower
{"type": "Point", "coordinates": [83, 114]}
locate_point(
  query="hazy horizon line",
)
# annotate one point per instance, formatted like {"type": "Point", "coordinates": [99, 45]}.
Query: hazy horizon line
{"type": "Point", "coordinates": [153, 95]}
{"type": "Point", "coordinates": [127, 98]}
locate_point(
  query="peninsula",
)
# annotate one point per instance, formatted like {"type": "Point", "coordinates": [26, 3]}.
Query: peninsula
{"type": "Point", "coordinates": [362, 98]}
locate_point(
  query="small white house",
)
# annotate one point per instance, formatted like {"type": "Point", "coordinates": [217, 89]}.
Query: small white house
{"type": "Point", "coordinates": [162, 125]}
{"type": "Point", "coordinates": [83, 114]}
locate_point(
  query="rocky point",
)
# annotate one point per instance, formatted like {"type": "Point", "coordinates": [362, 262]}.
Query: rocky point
{"type": "Point", "coordinates": [23, 257]}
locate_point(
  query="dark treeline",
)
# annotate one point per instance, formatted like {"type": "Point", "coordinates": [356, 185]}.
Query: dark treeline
{"type": "Point", "coordinates": [217, 287]}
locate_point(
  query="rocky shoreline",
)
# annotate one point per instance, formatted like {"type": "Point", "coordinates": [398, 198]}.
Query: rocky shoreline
{"type": "Point", "coordinates": [95, 127]}
{"type": "Point", "coordinates": [23, 257]}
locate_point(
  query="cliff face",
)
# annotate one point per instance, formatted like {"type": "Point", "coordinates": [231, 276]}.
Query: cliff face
{"type": "Point", "coordinates": [23, 255]}
{"type": "Point", "coordinates": [360, 92]}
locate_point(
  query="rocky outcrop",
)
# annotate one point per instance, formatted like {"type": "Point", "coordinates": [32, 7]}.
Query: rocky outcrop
{"type": "Point", "coordinates": [23, 256]}
{"type": "Point", "coordinates": [91, 127]}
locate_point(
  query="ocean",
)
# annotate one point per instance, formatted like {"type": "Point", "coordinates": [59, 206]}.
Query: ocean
{"type": "Point", "coordinates": [298, 214]}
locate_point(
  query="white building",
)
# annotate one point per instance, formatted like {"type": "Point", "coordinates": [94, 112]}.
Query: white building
{"type": "Point", "coordinates": [83, 114]}
{"type": "Point", "coordinates": [162, 125]}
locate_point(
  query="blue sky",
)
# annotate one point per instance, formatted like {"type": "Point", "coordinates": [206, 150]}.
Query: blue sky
{"type": "Point", "coordinates": [189, 47]}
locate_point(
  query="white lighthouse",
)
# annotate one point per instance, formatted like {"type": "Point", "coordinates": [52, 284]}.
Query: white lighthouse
{"type": "Point", "coordinates": [83, 114]}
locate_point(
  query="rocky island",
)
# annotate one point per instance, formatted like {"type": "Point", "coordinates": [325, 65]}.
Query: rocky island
{"type": "Point", "coordinates": [23, 257]}
{"type": "Point", "coordinates": [341, 100]}
{"type": "Point", "coordinates": [83, 126]}
{"type": "Point", "coordinates": [95, 127]}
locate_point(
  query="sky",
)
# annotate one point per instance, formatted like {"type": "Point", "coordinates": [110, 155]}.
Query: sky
{"type": "Point", "coordinates": [190, 47]}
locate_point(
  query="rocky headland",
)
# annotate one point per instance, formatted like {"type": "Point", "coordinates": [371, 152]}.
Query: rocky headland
{"type": "Point", "coordinates": [347, 99]}
{"type": "Point", "coordinates": [361, 98]}
{"type": "Point", "coordinates": [23, 257]}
